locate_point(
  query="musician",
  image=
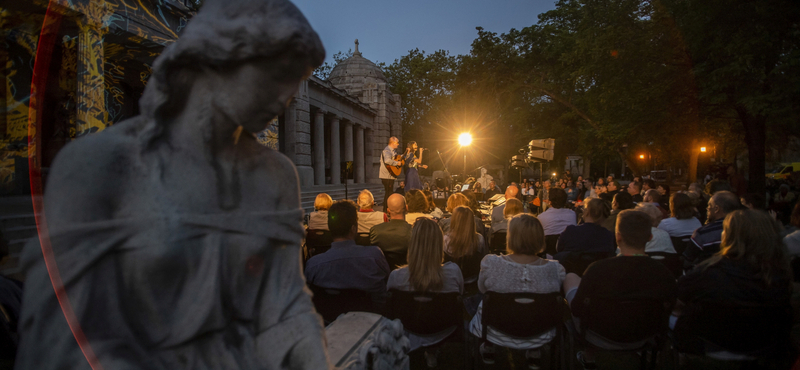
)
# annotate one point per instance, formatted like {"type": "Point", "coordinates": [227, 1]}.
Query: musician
{"type": "Point", "coordinates": [387, 158]}
{"type": "Point", "coordinates": [412, 176]}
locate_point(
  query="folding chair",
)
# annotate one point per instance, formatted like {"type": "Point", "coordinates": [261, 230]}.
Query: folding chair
{"type": "Point", "coordinates": [318, 241]}
{"type": "Point", "coordinates": [680, 243]}
{"type": "Point", "coordinates": [577, 262]}
{"type": "Point", "coordinates": [672, 262]}
{"type": "Point", "coordinates": [362, 239]}
{"type": "Point", "coordinates": [498, 243]}
{"type": "Point", "coordinates": [427, 314]}
{"type": "Point", "coordinates": [550, 242]}
{"type": "Point", "coordinates": [529, 315]}
{"type": "Point", "coordinates": [330, 303]}
{"type": "Point", "coordinates": [626, 324]}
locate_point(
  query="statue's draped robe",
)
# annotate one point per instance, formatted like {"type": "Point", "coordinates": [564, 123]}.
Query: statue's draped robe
{"type": "Point", "coordinates": [181, 291]}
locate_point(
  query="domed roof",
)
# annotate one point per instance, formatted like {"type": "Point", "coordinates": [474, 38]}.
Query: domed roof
{"type": "Point", "coordinates": [355, 67]}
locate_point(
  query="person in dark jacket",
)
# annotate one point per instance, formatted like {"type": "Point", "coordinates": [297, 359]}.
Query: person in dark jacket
{"type": "Point", "coordinates": [392, 237]}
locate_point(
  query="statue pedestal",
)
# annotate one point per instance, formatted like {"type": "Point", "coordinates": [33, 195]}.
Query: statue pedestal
{"type": "Point", "coordinates": [362, 340]}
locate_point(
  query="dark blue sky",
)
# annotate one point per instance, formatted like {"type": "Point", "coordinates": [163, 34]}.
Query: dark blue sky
{"type": "Point", "coordinates": [387, 30]}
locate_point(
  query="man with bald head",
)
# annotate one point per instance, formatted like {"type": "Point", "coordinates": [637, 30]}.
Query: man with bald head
{"type": "Point", "coordinates": [498, 220]}
{"type": "Point", "coordinates": [706, 240]}
{"type": "Point", "coordinates": [654, 197]}
{"type": "Point", "coordinates": [392, 237]}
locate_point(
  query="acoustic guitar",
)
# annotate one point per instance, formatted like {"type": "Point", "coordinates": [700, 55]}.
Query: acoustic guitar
{"type": "Point", "coordinates": [396, 170]}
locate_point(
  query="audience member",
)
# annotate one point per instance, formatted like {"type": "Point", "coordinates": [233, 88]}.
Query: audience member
{"type": "Point", "coordinates": [631, 274]}
{"type": "Point", "coordinates": [706, 240]}
{"type": "Point", "coordinates": [498, 220]}
{"type": "Point", "coordinates": [612, 190]}
{"type": "Point", "coordinates": [682, 222]}
{"type": "Point", "coordinates": [699, 201]}
{"type": "Point", "coordinates": [417, 206]}
{"type": "Point", "coordinates": [717, 185]}
{"type": "Point", "coordinates": [634, 189]}
{"type": "Point", "coordinates": [348, 265]}
{"type": "Point", "coordinates": [622, 201]}
{"type": "Point", "coordinates": [648, 184]}
{"type": "Point", "coordinates": [401, 189]}
{"type": "Point", "coordinates": [750, 271]}
{"type": "Point", "coordinates": [456, 200]}
{"type": "Point", "coordinates": [660, 241]}
{"type": "Point", "coordinates": [572, 192]}
{"type": "Point", "coordinates": [425, 272]}
{"type": "Point", "coordinates": [463, 245]}
{"type": "Point", "coordinates": [654, 197]}
{"type": "Point", "coordinates": [663, 193]}
{"type": "Point", "coordinates": [491, 191]}
{"type": "Point", "coordinates": [754, 201]}
{"type": "Point", "coordinates": [392, 237]}
{"type": "Point", "coordinates": [520, 271]}
{"type": "Point", "coordinates": [581, 189]}
{"type": "Point", "coordinates": [511, 208]}
{"type": "Point", "coordinates": [433, 210]}
{"type": "Point", "coordinates": [544, 195]}
{"type": "Point", "coordinates": [367, 217]}
{"type": "Point", "coordinates": [589, 236]}
{"type": "Point", "coordinates": [556, 218]}
{"type": "Point", "coordinates": [318, 220]}
{"type": "Point", "coordinates": [792, 240]}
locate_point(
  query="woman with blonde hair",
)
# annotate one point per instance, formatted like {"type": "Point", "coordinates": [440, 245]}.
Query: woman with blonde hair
{"type": "Point", "coordinates": [457, 200]}
{"type": "Point", "coordinates": [512, 208]}
{"type": "Point", "coordinates": [433, 210]}
{"type": "Point", "coordinates": [426, 272]}
{"type": "Point", "coordinates": [318, 220]}
{"type": "Point", "coordinates": [463, 245]}
{"type": "Point", "coordinates": [750, 271]}
{"type": "Point", "coordinates": [367, 217]}
{"type": "Point", "coordinates": [520, 271]}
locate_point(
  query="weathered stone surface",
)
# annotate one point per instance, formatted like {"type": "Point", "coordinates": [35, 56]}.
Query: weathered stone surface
{"type": "Point", "coordinates": [175, 233]}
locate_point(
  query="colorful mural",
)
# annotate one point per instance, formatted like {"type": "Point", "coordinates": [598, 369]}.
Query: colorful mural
{"type": "Point", "coordinates": [98, 70]}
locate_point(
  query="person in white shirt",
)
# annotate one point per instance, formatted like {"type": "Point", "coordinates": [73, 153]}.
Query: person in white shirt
{"type": "Point", "coordinates": [660, 241]}
{"type": "Point", "coordinates": [682, 222]}
{"type": "Point", "coordinates": [367, 217]}
{"type": "Point", "coordinates": [556, 218]}
{"type": "Point", "coordinates": [318, 220]}
{"type": "Point", "coordinates": [417, 206]}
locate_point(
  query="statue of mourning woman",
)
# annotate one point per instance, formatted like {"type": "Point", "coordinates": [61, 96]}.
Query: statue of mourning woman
{"type": "Point", "coordinates": [175, 234]}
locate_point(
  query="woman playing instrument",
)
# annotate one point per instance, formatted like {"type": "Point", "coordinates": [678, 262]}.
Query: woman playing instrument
{"type": "Point", "coordinates": [412, 176]}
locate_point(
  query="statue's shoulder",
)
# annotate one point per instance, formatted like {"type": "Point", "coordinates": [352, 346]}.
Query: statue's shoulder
{"type": "Point", "coordinates": [116, 143]}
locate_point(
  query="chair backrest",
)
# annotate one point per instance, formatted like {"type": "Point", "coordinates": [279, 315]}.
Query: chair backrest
{"type": "Point", "coordinates": [425, 313]}
{"type": "Point", "coordinates": [577, 262]}
{"type": "Point", "coordinates": [796, 268]}
{"type": "Point", "coordinates": [330, 303]}
{"type": "Point", "coordinates": [742, 329]}
{"type": "Point", "coordinates": [318, 241]}
{"type": "Point", "coordinates": [671, 261]}
{"type": "Point", "coordinates": [498, 243]}
{"type": "Point", "coordinates": [522, 315]}
{"type": "Point", "coordinates": [550, 242]}
{"type": "Point", "coordinates": [680, 243]}
{"type": "Point", "coordinates": [362, 239]}
{"type": "Point", "coordinates": [626, 319]}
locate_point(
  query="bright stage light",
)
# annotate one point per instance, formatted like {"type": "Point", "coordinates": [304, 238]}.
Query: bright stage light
{"type": "Point", "coordinates": [464, 139]}
{"type": "Point", "coordinates": [641, 156]}
{"type": "Point", "coordinates": [554, 174]}
{"type": "Point", "coordinates": [703, 149]}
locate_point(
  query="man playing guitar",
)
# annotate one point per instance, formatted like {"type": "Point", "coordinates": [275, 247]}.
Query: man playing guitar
{"type": "Point", "coordinates": [391, 165]}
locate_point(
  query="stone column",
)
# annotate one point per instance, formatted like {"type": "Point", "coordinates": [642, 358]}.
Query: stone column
{"type": "Point", "coordinates": [371, 171]}
{"type": "Point", "coordinates": [360, 150]}
{"type": "Point", "coordinates": [319, 148]}
{"type": "Point", "coordinates": [336, 168]}
{"type": "Point", "coordinates": [290, 131]}
{"type": "Point", "coordinates": [348, 143]}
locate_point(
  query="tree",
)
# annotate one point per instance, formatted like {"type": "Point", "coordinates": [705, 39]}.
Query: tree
{"type": "Point", "coordinates": [324, 71]}
{"type": "Point", "coordinates": [745, 57]}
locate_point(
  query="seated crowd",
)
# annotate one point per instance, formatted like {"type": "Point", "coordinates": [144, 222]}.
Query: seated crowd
{"type": "Point", "coordinates": [737, 262]}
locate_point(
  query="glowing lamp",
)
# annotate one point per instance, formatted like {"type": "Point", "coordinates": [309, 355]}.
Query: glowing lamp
{"type": "Point", "coordinates": [554, 173]}
{"type": "Point", "coordinates": [641, 156]}
{"type": "Point", "coordinates": [703, 149]}
{"type": "Point", "coordinates": [464, 139]}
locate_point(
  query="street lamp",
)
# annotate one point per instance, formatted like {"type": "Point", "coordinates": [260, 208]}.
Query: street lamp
{"type": "Point", "coordinates": [641, 156]}
{"type": "Point", "coordinates": [464, 140]}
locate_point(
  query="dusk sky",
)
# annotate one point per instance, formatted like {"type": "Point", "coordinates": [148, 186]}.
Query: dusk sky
{"type": "Point", "coordinates": [387, 30]}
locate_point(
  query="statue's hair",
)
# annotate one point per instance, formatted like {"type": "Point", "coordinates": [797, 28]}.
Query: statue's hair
{"type": "Point", "coordinates": [226, 32]}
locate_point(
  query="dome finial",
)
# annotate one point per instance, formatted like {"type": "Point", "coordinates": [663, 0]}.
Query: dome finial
{"type": "Point", "coordinates": [357, 52]}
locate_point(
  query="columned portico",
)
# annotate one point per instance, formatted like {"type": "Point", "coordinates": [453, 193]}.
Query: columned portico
{"type": "Point", "coordinates": [359, 176]}
{"type": "Point", "coordinates": [336, 169]}
{"type": "Point", "coordinates": [319, 148]}
{"type": "Point", "coordinates": [348, 144]}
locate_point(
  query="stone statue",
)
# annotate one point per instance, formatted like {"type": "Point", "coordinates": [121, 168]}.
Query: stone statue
{"type": "Point", "coordinates": [175, 234]}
